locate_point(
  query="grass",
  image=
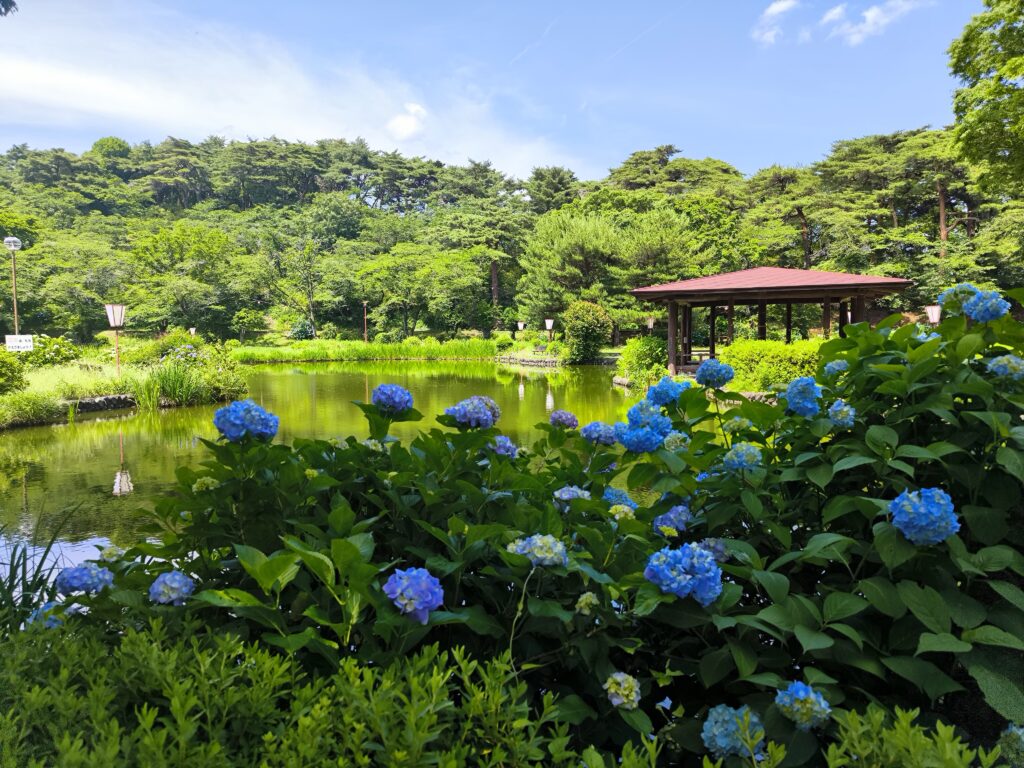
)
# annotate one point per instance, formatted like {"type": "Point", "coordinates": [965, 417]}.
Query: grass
{"type": "Point", "coordinates": [25, 575]}
{"type": "Point", "coordinates": [326, 351]}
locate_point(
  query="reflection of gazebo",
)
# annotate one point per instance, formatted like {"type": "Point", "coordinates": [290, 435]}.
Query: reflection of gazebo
{"type": "Point", "coordinates": [760, 287]}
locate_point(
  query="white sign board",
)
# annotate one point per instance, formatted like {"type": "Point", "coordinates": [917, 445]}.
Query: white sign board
{"type": "Point", "coordinates": [19, 343]}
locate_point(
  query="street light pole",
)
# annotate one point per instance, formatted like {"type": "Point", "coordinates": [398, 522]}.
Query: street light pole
{"type": "Point", "coordinates": [13, 244]}
{"type": "Point", "coordinates": [115, 316]}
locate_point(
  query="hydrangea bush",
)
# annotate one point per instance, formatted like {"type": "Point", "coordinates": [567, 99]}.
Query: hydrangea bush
{"type": "Point", "coordinates": [868, 548]}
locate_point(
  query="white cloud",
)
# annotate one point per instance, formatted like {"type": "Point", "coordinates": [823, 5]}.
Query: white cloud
{"type": "Point", "coordinates": [873, 20]}
{"type": "Point", "coordinates": [143, 70]}
{"type": "Point", "coordinates": [768, 29]}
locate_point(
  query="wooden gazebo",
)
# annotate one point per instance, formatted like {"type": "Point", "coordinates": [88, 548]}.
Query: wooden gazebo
{"type": "Point", "coordinates": [760, 287]}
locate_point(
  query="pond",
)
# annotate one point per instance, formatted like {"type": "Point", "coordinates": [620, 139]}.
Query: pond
{"type": "Point", "coordinates": [63, 476]}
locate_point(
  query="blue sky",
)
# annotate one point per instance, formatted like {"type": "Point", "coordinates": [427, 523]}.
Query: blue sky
{"type": "Point", "coordinates": [582, 84]}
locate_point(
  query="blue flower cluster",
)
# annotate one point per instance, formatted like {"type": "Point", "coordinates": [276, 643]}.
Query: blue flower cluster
{"type": "Point", "coordinates": [391, 399]}
{"type": "Point", "coordinates": [567, 493]}
{"type": "Point", "coordinates": [723, 732]}
{"type": "Point", "coordinates": [667, 391]}
{"type": "Point", "coordinates": [245, 417]}
{"type": "Point", "coordinates": [803, 705]}
{"type": "Point", "coordinates": [740, 457]}
{"type": "Point", "coordinates": [1007, 367]}
{"type": "Point", "coordinates": [959, 293]}
{"type": "Point", "coordinates": [415, 592]}
{"type": "Point", "coordinates": [618, 496]}
{"type": "Point", "coordinates": [171, 588]}
{"type": "Point", "coordinates": [503, 446]}
{"type": "Point", "coordinates": [599, 433]}
{"type": "Point", "coordinates": [565, 419]}
{"type": "Point", "coordinates": [842, 414]}
{"type": "Point", "coordinates": [646, 429]}
{"type": "Point", "coordinates": [926, 516]}
{"type": "Point", "coordinates": [802, 396]}
{"type": "Point", "coordinates": [47, 614]}
{"type": "Point", "coordinates": [476, 411]}
{"type": "Point", "coordinates": [541, 549]}
{"type": "Point", "coordinates": [673, 522]}
{"type": "Point", "coordinates": [714, 374]}
{"type": "Point", "coordinates": [836, 367]}
{"type": "Point", "coordinates": [985, 306]}
{"type": "Point", "coordinates": [689, 570]}
{"type": "Point", "coordinates": [89, 578]}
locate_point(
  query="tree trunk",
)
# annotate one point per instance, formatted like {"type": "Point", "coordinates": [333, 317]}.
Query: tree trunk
{"type": "Point", "coordinates": [943, 227]}
{"type": "Point", "coordinates": [494, 282]}
{"type": "Point", "coordinates": [892, 212]}
{"type": "Point", "coordinates": [805, 237]}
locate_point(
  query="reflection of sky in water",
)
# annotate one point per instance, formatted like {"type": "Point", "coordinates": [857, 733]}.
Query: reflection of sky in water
{"type": "Point", "coordinates": [62, 477]}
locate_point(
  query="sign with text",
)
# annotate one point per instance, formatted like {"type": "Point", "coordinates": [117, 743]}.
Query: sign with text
{"type": "Point", "coordinates": [19, 343]}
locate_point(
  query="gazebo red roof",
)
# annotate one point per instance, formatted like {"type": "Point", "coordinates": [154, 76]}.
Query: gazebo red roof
{"type": "Point", "coordinates": [772, 284]}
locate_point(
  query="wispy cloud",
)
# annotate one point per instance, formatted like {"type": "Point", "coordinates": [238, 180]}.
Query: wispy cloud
{"type": "Point", "coordinates": [768, 29]}
{"type": "Point", "coordinates": [157, 72]}
{"type": "Point", "coordinates": [873, 20]}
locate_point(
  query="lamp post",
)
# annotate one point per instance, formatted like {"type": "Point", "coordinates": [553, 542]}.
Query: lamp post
{"type": "Point", "coordinates": [549, 323]}
{"type": "Point", "coordinates": [650, 324]}
{"type": "Point", "coordinates": [934, 312]}
{"type": "Point", "coordinates": [13, 245]}
{"type": "Point", "coordinates": [366, 335]}
{"type": "Point", "coordinates": [115, 316]}
{"type": "Point", "coordinates": [123, 484]}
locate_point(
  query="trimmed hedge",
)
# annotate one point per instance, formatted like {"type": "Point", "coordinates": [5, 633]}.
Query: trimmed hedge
{"type": "Point", "coordinates": [762, 365]}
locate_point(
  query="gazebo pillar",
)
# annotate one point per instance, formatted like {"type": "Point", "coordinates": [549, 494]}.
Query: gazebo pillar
{"type": "Point", "coordinates": [729, 310]}
{"type": "Point", "coordinates": [789, 322]}
{"type": "Point", "coordinates": [844, 319]}
{"type": "Point", "coordinates": [687, 328]}
{"type": "Point", "coordinates": [672, 333]}
{"type": "Point", "coordinates": [711, 331]}
{"type": "Point", "coordinates": [762, 320]}
{"type": "Point", "coordinates": [826, 318]}
{"type": "Point", "coordinates": [859, 310]}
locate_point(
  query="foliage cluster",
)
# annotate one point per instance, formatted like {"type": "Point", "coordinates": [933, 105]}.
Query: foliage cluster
{"type": "Point", "coordinates": [642, 360]}
{"type": "Point", "coordinates": [587, 328]}
{"type": "Point", "coordinates": [12, 372]}
{"type": "Point", "coordinates": [762, 365]}
{"type": "Point", "coordinates": [50, 350]}
{"type": "Point", "coordinates": [321, 350]}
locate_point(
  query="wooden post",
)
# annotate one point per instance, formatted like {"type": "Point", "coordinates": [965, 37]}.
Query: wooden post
{"type": "Point", "coordinates": [762, 320]}
{"type": "Point", "coordinates": [711, 329]}
{"type": "Point", "coordinates": [844, 319]}
{"type": "Point", "coordinates": [672, 368]}
{"type": "Point", "coordinates": [826, 318]}
{"type": "Point", "coordinates": [688, 337]}
{"type": "Point", "coordinates": [859, 310]}
{"type": "Point", "coordinates": [789, 322]}
{"type": "Point", "coordinates": [729, 311]}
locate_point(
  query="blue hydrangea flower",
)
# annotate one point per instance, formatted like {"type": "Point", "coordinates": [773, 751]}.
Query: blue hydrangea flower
{"type": "Point", "coordinates": [836, 367]}
{"type": "Point", "coordinates": [618, 496]}
{"type": "Point", "coordinates": [842, 414]}
{"type": "Point", "coordinates": [714, 374]}
{"type": "Point", "coordinates": [802, 396]}
{"type": "Point", "coordinates": [924, 336]}
{"type": "Point", "coordinates": [245, 417]}
{"type": "Point", "coordinates": [89, 578]}
{"type": "Point", "coordinates": [717, 548]}
{"type": "Point", "coordinates": [171, 588]}
{"type": "Point", "coordinates": [676, 441]}
{"type": "Point", "coordinates": [689, 570]}
{"type": "Point", "coordinates": [673, 522]}
{"type": "Point", "coordinates": [565, 419]}
{"type": "Point", "coordinates": [803, 705]}
{"type": "Point", "coordinates": [926, 516]}
{"type": "Point", "coordinates": [740, 457]}
{"type": "Point", "coordinates": [46, 613]}
{"type": "Point", "coordinates": [391, 399]}
{"type": "Point", "coordinates": [623, 690]}
{"type": "Point", "coordinates": [648, 414]}
{"type": "Point", "coordinates": [638, 440]}
{"type": "Point", "coordinates": [415, 592]}
{"type": "Point", "coordinates": [985, 306]}
{"type": "Point", "coordinates": [646, 429]}
{"type": "Point", "coordinates": [569, 492]}
{"type": "Point", "coordinates": [722, 731]}
{"type": "Point", "coordinates": [541, 549]}
{"type": "Point", "coordinates": [1007, 367]}
{"type": "Point", "coordinates": [476, 411]}
{"type": "Point", "coordinates": [959, 293]}
{"type": "Point", "coordinates": [667, 391]}
{"type": "Point", "coordinates": [599, 433]}
{"type": "Point", "coordinates": [503, 446]}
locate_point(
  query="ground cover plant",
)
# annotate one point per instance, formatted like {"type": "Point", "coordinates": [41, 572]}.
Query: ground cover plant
{"type": "Point", "coordinates": [329, 350]}
{"type": "Point", "coordinates": [733, 590]}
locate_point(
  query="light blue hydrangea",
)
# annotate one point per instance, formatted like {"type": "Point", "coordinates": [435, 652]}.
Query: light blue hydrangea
{"type": "Point", "coordinates": [1006, 367]}
{"type": "Point", "coordinates": [842, 414]}
{"type": "Point", "coordinates": [541, 549]}
{"type": "Point", "coordinates": [742, 456]}
{"type": "Point", "coordinates": [958, 294]}
{"type": "Point", "coordinates": [676, 441]}
{"type": "Point", "coordinates": [673, 522]}
{"type": "Point", "coordinates": [985, 306]}
{"type": "Point", "coordinates": [802, 396]}
{"type": "Point", "coordinates": [623, 690]}
{"type": "Point", "coordinates": [835, 367]}
{"type": "Point", "coordinates": [48, 614]}
{"type": "Point", "coordinates": [646, 428]}
{"type": "Point", "coordinates": [723, 732]}
{"type": "Point", "coordinates": [391, 399]}
{"type": "Point", "coordinates": [415, 592]}
{"type": "Point", "coordinates": [803, 705]}
{"type": "Point", "coordinates": [477, 411]}
{"type": "Point", "coordinates": [171, 588]}
{"type": "Point", "coordinates": [618, 496]}
{"type": "Point", "coordinates": [564, 419]}
{"type": "Point", "coordinates": [667, 391]}
{"type": "Point", "coordinates": [503, 446]}
{"type": "Point", "coordinates": [714, 374]}
{"type": "Point", "coordinates": [89, 578]}
{"type": "Point", "coordinates": [925, 517]}
{"type": "Point", "coordinates": [688, 570]}
{"type": "Point", "coordinates": [599, 433]}
{"type": "Point", "coordinates": [567, 493]}
{"type": "Point", "coordinates": [245, 418]}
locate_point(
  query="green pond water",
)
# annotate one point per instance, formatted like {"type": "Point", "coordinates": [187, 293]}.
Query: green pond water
{"type": "Point", "coordinates": [63, 476]}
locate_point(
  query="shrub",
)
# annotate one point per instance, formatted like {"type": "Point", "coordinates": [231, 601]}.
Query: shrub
{"type": "Point", "coordinates": [643, 361]}
{"type": "Point", "coordinates": [302, 329]}
{"type": "Point", "coordinates": [761, 365]}
{"type": "Point", "coordinates": [50, 350]}
{"type": "Point", "coordinates": [587, 328]}
{"type": "Point", "coordinates": [503, 344]}
{"type": "Point", "coordinates": [143, 351]}
{"type": "Point", "coordinates": [12, 372]}
{"type": "Point", "coordinates": [413, 341]}
{"type": "Point", "coordinates": [25, 408]}
{"type": "Point", "coordinates": [248, 320]}
{"type": "Point", "coordinates": [328, 331]}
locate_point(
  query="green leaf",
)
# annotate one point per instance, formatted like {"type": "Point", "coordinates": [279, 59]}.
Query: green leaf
{"type": "Point", "coordinates": [849, 462]}
{"type": "Point", "coordinates": [812, 640]}
{"type": "Point", "coordinates": [925, 675]}
{"type": "Point", "coordinates": [927, 605]}
{"type": "Point", "coordinates": [744, 657]}
{"type": "Point", "coordinates": [840, 605]}
{"type": "Point", "coordinates": [573, 710]}
{"type": "Point", "coordinates": [227, 598]}
{"type": "Point", "coordinates": [637, 720]}
{"type": "Point", "coordinates": [1009, 592]}
{"type": "Point", "coordinates": [882, 594]}
{"type": "Point", "coordinates": [1000, 679]}
{"type": "Point", "coordinates": [1012, 461]}
{"type": "Point", "coordinates": [279, 570]}
{"type": "Point", "coordinates": [318, 563]}
{"type": "Point", "coordinates": [892, 546]}
{"type": "Point", "coordinates": [969, 345]}
{"type": "Point", "coordinates": [775, 584]}
{"type": "Point", "coordinates": [989, 635]}
{"type": "Point", "coordinates": [820, 475]}
{"type": "Point", "coordinates": [548, 609]}
{"type": "Point", "coordinates": [250, 558]}
{"type": "Point", "coordinates": [879, 437]}
{"type": "Point", "coordinates": [944, 643]}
